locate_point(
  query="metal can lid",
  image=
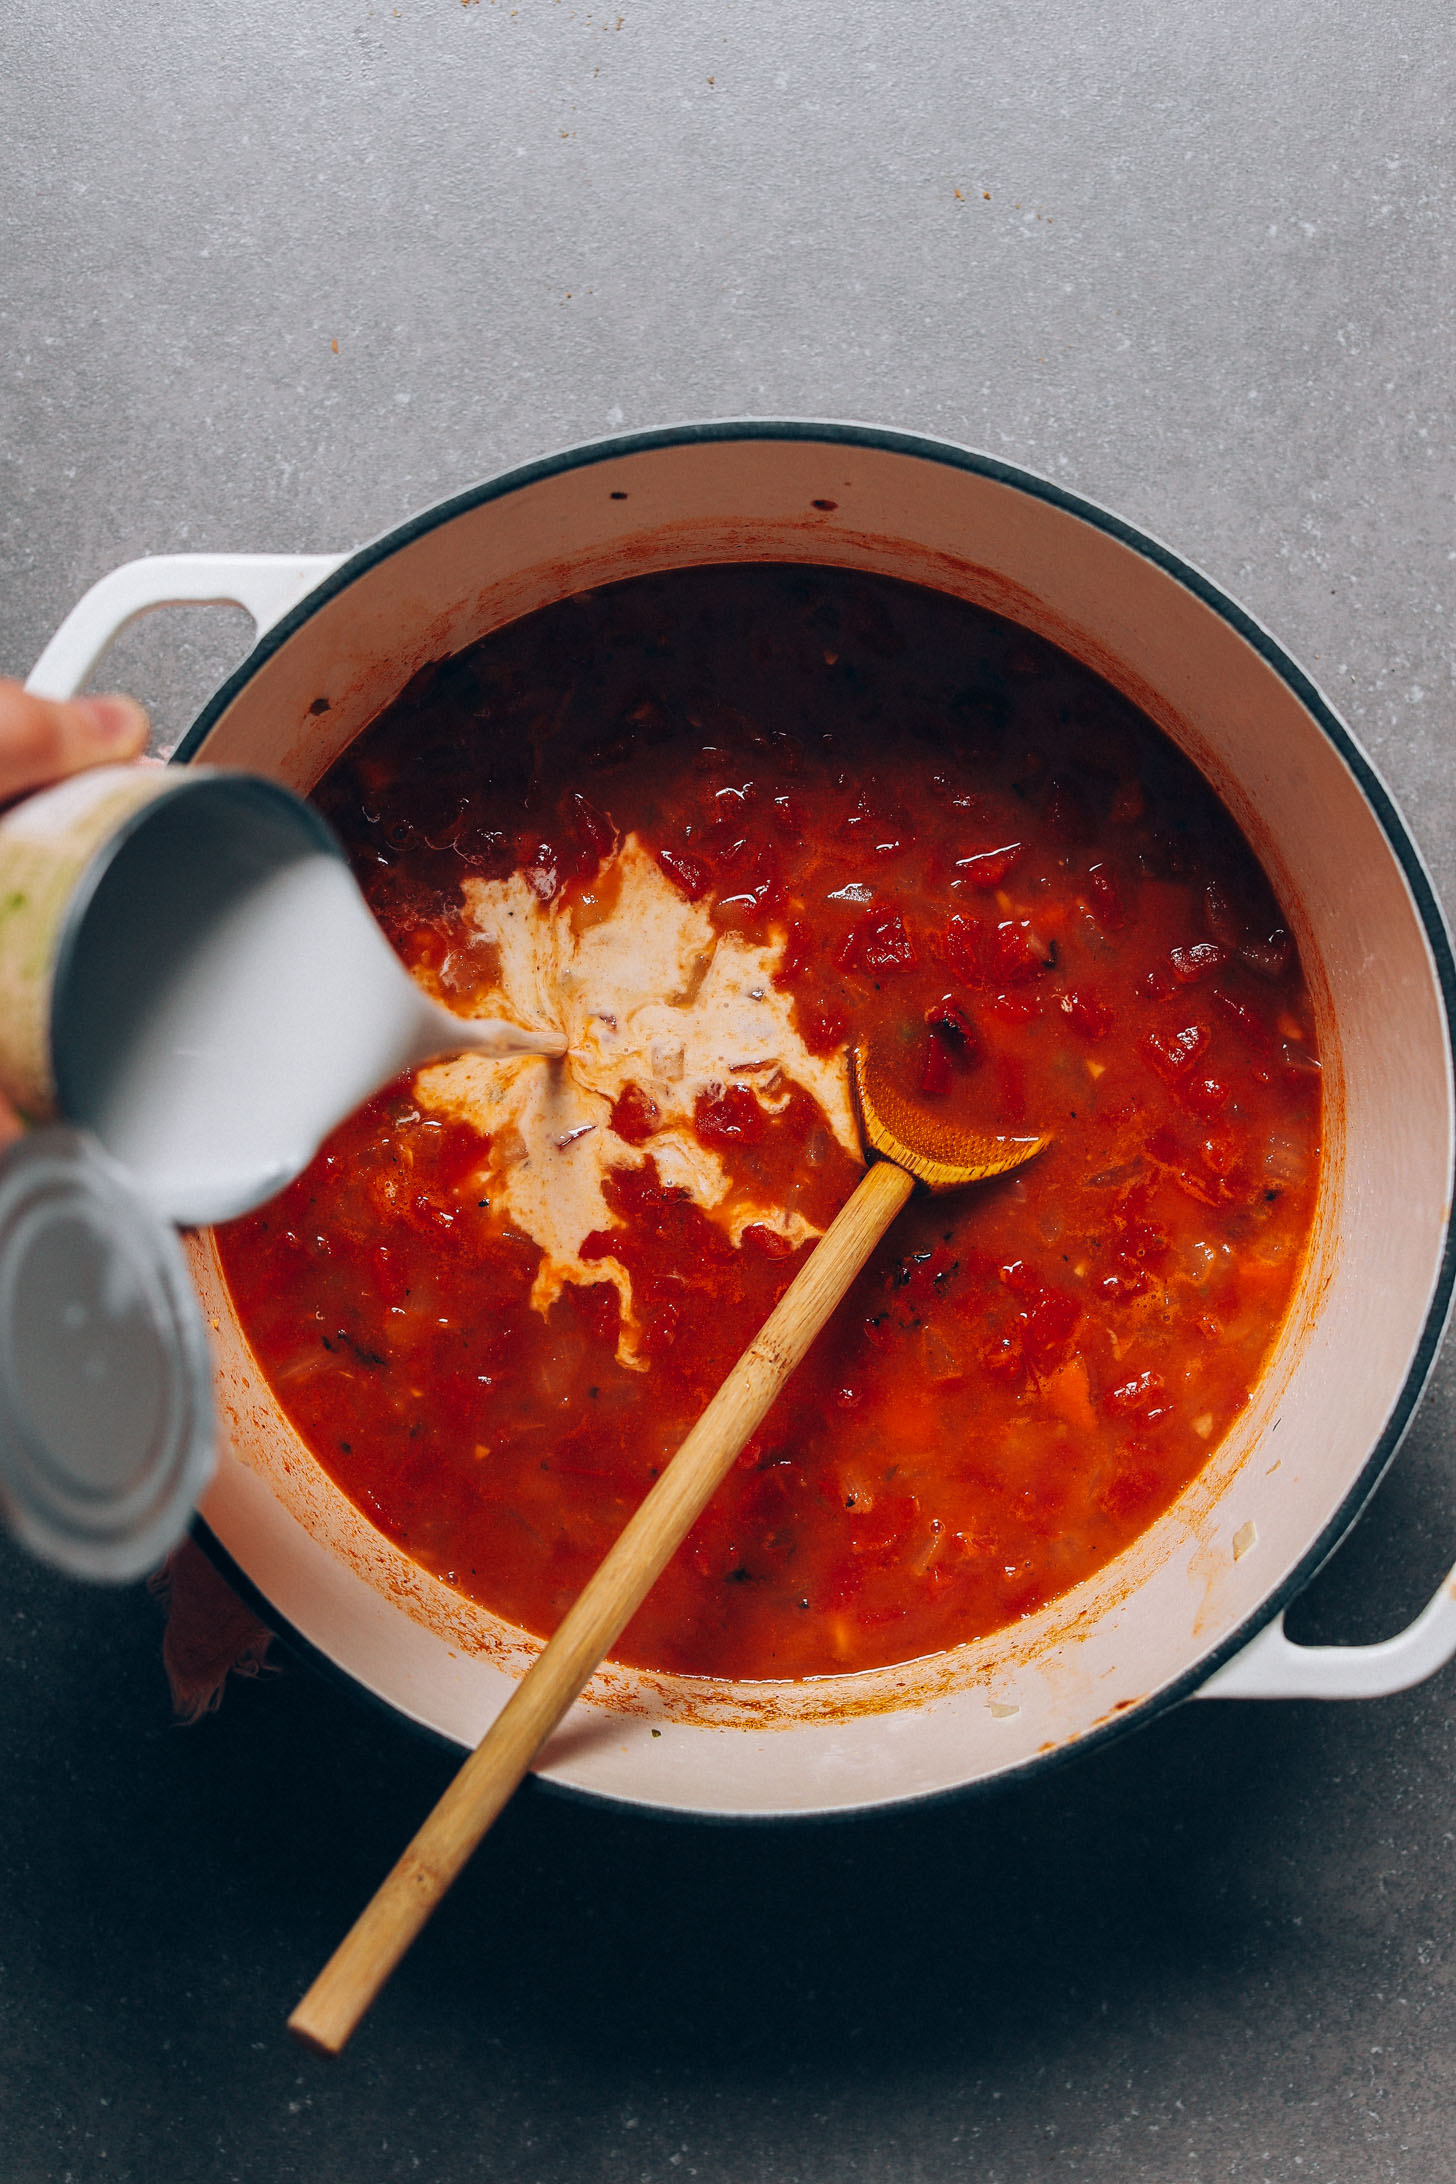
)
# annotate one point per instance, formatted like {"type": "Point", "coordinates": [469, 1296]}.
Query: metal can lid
{"type": "Point", "coordinates": [107, 1428]}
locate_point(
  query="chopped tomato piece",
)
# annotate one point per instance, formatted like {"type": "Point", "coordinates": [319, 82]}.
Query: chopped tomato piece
{"type": "Point", "coordinates": [752, 885]}
{"type": "Point", "coordinates": [635, 1117]}
{"type": "Point", "coordinates": [1087, 1015]}
{"type": "Point", "coordinates": [1141, 1397]}
{"type": "Point", "coordinates": [599, 1310]}
{"type": "Point", "coordinates": [1048, 1318]}
{"type": "Point", "coordinates": [1199, 961]}
{"type": "Point", "coordinates": [1173, 1057]}
{"type": "Point", "coordinates": [1013, 958]}
{"type": "Point", "coordinates": [688, 873]}
{"type": "Point", "coordinates": [963, 945]}
{"type": "Point", "coordinates": [1249, 1025]}
{"type": "Point", "coordinates": [877, 943]}
{"type": "Point", "coordinates": [770, 1241]}
{"type": "Point", "coordinates": [822, 1026]}
{"type": "Point", "coordinates": [1106, 894]}
{"type": "Point", "coordinates": [598, 835]}
{"type": "Point", "coordinates": [797, 953]}
{"type": "Point", "coordinates": [1270, 957]}
{"type": "Point", "coordinates": [989, 867]}
{"type": "Point", "coordinates": [728, 1114]}
{"type": "Point", "coordinates": [1206, 1095]}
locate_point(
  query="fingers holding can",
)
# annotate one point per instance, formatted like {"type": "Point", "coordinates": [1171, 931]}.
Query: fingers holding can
{"type": "Point", "coordinates": [44, 739]}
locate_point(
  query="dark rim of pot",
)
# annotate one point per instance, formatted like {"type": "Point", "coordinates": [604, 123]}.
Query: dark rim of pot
{"type": "Point", "coordinates": [1377, 796]}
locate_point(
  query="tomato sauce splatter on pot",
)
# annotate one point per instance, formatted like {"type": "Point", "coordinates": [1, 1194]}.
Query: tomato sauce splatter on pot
{"type": "Point", "coordinates": [716, 821]}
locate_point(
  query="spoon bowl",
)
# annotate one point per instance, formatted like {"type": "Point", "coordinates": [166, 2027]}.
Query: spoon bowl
{"type": "Point", "coordinates": [935, 1148]}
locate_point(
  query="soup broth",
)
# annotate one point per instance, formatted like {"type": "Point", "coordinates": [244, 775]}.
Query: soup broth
{"type": "Point", "coordinates": [714, 823]}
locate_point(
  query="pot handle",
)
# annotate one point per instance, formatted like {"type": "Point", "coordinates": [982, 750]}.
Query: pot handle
{"type": "Point", "coordinates": [265, 585]}
{"type": "Point", "coordinates": [1271, 1666]}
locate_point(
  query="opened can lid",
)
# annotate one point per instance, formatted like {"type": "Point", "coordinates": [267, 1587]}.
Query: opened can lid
{"type": "Point", "coordinates": [107, 1428]}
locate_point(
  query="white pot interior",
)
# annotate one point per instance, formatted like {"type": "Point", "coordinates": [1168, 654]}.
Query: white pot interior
{"type": "Point", "coordinates": [1304, 1446]}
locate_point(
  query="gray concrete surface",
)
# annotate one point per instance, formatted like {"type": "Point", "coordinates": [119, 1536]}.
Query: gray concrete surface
{"type": "Point", "coordinates": [1194, 262]}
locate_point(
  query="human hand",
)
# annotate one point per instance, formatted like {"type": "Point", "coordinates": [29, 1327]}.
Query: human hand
{"type": "Point", "coordinates": [41, 739]}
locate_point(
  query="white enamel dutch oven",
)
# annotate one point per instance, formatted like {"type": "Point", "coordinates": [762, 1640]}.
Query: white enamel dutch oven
{"type": "Point", "coordinates": [1194, 1607]}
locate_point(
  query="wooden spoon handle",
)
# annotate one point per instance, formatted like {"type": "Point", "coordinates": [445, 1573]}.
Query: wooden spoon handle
{"type": "Point", "coordinates": [388, 1924]}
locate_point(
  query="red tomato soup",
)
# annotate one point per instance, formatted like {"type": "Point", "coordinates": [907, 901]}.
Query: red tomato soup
{"type": "Point", "coordinates": [765, 808]}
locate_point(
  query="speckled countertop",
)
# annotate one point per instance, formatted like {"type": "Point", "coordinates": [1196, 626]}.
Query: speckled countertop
{"type": "Point", "coordinates": [272, 277]}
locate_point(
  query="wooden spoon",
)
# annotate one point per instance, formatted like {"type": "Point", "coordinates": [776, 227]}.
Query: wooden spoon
{"type": "Point", "coordinates": [911, 1144]}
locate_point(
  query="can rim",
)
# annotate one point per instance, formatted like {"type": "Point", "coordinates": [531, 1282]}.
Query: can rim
{"type": "Point", "coordinates": [92, 1529]}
